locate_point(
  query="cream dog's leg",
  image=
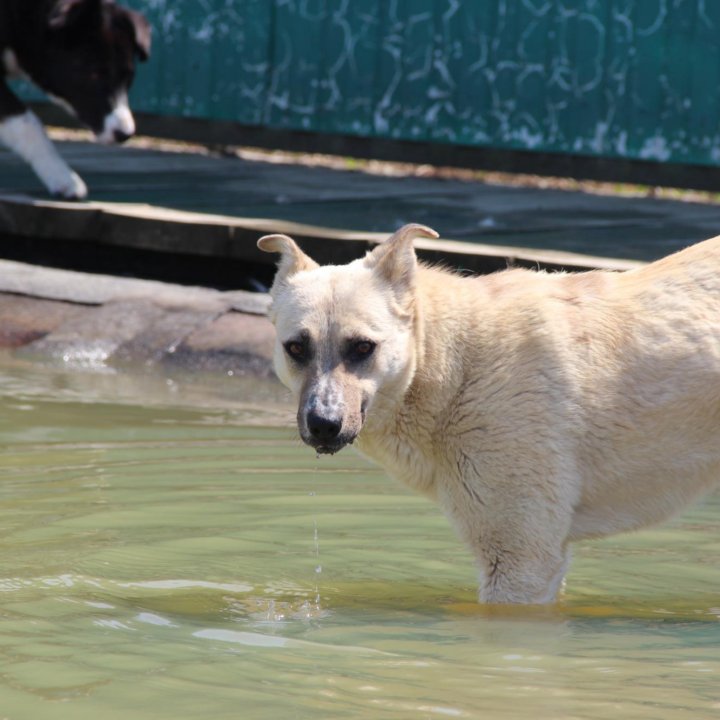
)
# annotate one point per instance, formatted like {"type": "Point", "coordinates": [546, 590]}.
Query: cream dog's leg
{"type": "Point", "coordinates": [518, 538]}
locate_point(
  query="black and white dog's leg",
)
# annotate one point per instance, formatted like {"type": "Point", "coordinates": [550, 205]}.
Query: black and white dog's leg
{"type": "Point", "coordinates": [24, 134]}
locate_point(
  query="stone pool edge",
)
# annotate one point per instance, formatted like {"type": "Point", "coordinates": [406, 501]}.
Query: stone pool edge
{"type": "Point", "coordinates": [90, 319]}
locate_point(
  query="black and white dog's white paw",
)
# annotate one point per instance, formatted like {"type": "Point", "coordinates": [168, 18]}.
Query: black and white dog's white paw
{"type": "Point", "coordinates": [26, 136]}
{"type": "Point", "coordinates": [67, 185]}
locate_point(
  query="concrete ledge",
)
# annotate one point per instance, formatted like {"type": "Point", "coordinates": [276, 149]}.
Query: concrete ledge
{"type": "Point", "coordinates": [162, 229]}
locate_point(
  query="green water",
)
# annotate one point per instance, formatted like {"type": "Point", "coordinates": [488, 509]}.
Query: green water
{"type": "Point", "coordinates": [169, 550]}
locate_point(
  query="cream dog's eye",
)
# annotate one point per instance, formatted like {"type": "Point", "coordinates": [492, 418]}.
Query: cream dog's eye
{"type": "Point", "coordinates": [362, 349]}
{"type": "Point", "coordinates": [295, 349]}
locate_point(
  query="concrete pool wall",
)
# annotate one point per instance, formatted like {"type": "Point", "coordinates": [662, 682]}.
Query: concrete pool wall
{"type": "Point", "coordinates": [87, 319]}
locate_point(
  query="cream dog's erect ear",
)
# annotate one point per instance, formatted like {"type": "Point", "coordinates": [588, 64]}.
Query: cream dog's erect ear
{"type": "Point", "coordinates": [395, 258]}
{"type": "Point", "coordinates": [292, 259]}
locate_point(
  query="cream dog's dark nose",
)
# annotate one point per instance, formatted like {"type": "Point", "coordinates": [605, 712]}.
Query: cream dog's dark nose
{"type": "Point", "coordinates": [322, 428]}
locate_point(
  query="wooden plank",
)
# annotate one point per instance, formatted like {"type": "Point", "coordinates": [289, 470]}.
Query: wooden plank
{"type": "Point", "coordinates": [169, 230]}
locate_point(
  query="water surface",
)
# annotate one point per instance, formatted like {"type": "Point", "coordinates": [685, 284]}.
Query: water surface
{"type": "Point", "coordinates": [170, 550]}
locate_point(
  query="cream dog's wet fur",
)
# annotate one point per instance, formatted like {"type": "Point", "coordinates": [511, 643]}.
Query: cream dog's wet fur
{"type": "Point", "coordinates": [537, 409]}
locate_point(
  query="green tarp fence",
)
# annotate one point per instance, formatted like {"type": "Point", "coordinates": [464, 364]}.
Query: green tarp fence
{"type": "Point", "coordinates": [637, 79]}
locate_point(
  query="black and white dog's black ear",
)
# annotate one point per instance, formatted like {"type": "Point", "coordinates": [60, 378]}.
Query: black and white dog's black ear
{"type": "Point", "coordinates": [141, 31]}
{"type": "Point", "coordinates": [76, 14]}
{"type": "Point", "coordinates": [67, 14]}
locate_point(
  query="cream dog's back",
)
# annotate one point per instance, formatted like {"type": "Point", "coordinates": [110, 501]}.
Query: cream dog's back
{"type": "Point", "coordinates": [539, 409]}
{"type": "Point", "coordinates": [621, 371]}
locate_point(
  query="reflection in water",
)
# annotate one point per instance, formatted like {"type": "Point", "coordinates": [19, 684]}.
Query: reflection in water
{"type": "Point", "coordinates": [161, 558]}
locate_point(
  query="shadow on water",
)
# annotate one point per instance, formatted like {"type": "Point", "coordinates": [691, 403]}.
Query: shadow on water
{"type": "Point", "coordinates": [419, 600]}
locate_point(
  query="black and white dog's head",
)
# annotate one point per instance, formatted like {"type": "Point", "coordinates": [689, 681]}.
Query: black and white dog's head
{"type": "Point", "coordinates": [87, 62]}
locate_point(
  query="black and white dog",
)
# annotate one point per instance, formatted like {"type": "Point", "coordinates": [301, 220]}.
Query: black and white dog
{"type": "Point", "coordinates": [82, 54]}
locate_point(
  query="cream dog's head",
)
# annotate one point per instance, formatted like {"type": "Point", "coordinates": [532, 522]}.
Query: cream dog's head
{"type": "Point", "coordinates": [346, 335]}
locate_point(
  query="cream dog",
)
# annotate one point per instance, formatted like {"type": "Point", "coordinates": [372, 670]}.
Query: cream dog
{"type": "Point", "coordinates": [537, 409]}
